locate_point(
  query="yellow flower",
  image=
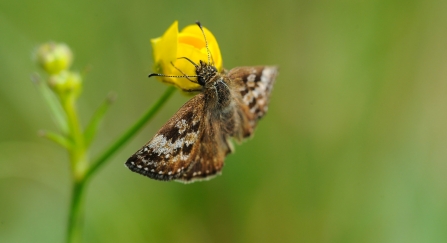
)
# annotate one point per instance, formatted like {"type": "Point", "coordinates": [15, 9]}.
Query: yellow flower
{"type": "Point", "coordinates": [188, 43]}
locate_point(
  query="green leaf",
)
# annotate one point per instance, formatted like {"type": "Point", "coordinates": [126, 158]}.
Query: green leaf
{"type": "Point", "coordinates": [57, 112]}
{"type": "Point", "coordinates": [92, 127]}
{"type": "Point", "coordinates": [59, 139]}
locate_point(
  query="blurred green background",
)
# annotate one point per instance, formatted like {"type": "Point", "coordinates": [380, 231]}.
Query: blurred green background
{"type": "Point", "coordinates": [354, 147]}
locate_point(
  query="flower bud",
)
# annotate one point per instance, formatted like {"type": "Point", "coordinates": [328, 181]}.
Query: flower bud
{"type": "Point", "coordinates": [53, 57]}
{"type": "Point", "coordinates": [65, 83]}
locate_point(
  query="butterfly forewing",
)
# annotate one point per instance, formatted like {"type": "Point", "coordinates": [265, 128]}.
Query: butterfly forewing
{"type": "Point", "coordinates": [171, 152]}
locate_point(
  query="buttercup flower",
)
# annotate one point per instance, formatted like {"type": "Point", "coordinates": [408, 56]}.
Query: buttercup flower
{"type": "Point", "coordinates": [188, 43]}
{"type": "Point", "coordinates": [54, 57]}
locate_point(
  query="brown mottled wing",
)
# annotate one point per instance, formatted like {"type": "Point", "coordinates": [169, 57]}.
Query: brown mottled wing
{"type": "Point", "coordinates": [254, 85]}
{"type": "Point", "coordinates": [173, 150]}
{"type": "Point", "coordinates": [189, 147]}
{"type": "Point", "coordinates": [211, 154]}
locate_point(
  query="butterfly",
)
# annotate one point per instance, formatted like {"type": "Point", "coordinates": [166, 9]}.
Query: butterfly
{"type": "Point", "coordinates": [193, 144]}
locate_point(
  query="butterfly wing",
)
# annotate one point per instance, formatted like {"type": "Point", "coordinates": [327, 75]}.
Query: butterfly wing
{"type": "Point", "coordinates": [252, 86]}
{"type": "Point", "coordinates": [210, 156]}
{"type": "Point", "coordinates": [189, 147]}
{"type": "Point", "coordinates": [172, 151]}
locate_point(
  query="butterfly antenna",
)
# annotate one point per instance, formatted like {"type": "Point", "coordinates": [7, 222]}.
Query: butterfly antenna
{"type": "Point", "coordinates": [184, 74]}
{"type": "Point", "coordinates": [170, 76]}
{"type": "Point", "coordinates": [193, 63]}
{"type": "Point", "coordinates": [206, 42]}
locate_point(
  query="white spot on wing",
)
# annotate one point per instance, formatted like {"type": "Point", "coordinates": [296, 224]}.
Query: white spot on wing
{"type": "Point", "coordinates": [267, 74]}
{"type": "Point", "coordinates": [251, 77]}
{"type": "Point", "coordinates": [181, 125]}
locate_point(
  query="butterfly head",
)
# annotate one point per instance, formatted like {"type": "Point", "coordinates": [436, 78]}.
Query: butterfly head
{"type": "Point", "coordinates": [205, 72]}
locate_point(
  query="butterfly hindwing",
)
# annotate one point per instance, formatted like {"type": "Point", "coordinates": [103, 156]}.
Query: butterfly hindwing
{"type": "Point", "coordinates": [253, 86]}
{"type": "Point", "coordinates": [209, 159]}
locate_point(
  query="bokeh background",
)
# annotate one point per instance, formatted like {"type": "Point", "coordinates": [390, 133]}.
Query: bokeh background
{"type": "Point", "coordinates": [353, 149]}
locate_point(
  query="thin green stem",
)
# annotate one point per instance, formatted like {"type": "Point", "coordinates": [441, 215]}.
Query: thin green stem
{"type": "Point", "coordinates": [76, 216]}
{"type": "Point", "coordinates": [78, 156]}
{"type": "Point", "coordinates": [99, 162]}
{"type": "Point", "coordinates": [79, 163]}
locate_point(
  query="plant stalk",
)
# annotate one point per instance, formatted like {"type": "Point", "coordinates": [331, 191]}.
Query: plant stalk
{"type": "Point", "coordinates": [76, 217]}
{"type": "Point", "coordinates": [81, 168]}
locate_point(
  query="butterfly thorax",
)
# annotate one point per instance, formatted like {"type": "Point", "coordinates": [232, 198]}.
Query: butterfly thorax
{"type": "Point", "coordinates": [216, 90]}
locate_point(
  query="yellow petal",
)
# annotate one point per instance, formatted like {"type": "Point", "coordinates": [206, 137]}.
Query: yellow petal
{"type": "Point", "coordinates": [192, 40]}
{"type": "Point", "coordinates": [185, 66]}
{"type": "Point", "coordinates": [165, 48]}
{"type": "Point", "coordinates": [189, 43]}
{"type": "Point", "coordinates": [194, 31]}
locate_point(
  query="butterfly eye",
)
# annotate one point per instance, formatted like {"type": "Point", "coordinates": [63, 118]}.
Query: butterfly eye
{"type": "Point", "coordinates": [214, 69]}
{"type": "Point", "coordinates": [201, 80]}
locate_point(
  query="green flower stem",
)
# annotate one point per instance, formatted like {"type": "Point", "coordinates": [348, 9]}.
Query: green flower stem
{"type": "Point", "coordinates": [79, 164]}
{"type": "Point", "coordinates": [78, 154]}
{"type": "Point", "coordinates": [82, 172]}
{"type": "Point", "coordinates": [99, 162]}
{"type": "Point", "coordinates": [76, 216]}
